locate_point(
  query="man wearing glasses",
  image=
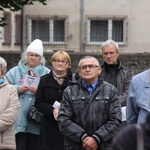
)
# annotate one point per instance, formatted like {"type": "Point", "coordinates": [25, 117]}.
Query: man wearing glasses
{"type": "Point", "coordinates": [90, 114]}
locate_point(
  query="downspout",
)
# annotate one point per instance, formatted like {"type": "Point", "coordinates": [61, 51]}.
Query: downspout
{"type": "Point", "coordinates": [81, 25]}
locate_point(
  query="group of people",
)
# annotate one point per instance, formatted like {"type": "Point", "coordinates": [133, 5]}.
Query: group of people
{"type": "Point", "coordinates": [84, 113]}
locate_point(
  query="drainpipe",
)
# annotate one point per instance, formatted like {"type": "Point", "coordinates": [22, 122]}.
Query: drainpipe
{"type": "Point", "coordinates": [81, 25]}
{"type": "Point", "coordinates": [23, 46]}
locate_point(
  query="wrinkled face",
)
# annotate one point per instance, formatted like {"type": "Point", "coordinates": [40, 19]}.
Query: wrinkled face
{"type": "Point", "coordinates": [33, 60]}
{"type": "Point", "coordinates": [110, 54]}
{"type": "Point", "coordinates": [89, 70]}
{"type": "Point", "coordinates": [60, 64]}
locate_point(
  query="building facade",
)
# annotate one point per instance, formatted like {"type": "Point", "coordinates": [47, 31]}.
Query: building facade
{"type": "Point", "coordinates": [79, 25]}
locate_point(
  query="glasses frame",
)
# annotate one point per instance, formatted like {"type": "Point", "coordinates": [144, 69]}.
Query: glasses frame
{"type": "Point", "coordinates": [90, 66]}
{"type": "Point", "coordinates": [57, 61]}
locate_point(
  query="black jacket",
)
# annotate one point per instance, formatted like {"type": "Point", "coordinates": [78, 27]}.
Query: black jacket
{"type": "Point", "coordinates": [97, 115]}
{"type": "Point", "coordinates": [47, 93]}
{"type": "Point", "coordinates": [123, 79]}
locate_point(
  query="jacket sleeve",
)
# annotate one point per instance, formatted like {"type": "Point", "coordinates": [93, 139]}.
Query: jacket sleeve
{"type": "Point", "coordinates": [11, 76]}
{"type": "Point", "coordinates": [9, 116]}
{"type": "Point", "coordinates": [132, 109]}
{"type": "Point", "coordinates": [123, 96]}
{"type": "Point", "coordinates": [66, 124]}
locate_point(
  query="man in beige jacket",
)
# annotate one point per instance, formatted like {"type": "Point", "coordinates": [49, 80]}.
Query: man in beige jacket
{"type": "Point", "coordinates": [9, 107]}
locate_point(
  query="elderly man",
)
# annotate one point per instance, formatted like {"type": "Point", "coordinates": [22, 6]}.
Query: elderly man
{"type": "Point", "coordinates": [114, 72]}
{"type": "Point", "coordinates": [90, 113]}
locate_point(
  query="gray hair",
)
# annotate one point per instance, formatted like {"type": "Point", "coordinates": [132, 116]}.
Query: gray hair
{"type": "Point", "coordinates": [86, 57]}
{"type": "Point", "coordinates": [3, 65]}
{"type": "Point", "coordinates": [110, 42]}
{"type": "Point", "coordinates": [24, 58]}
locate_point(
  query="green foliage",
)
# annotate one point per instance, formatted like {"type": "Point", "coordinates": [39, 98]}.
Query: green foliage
{"type": "Point", "coordinates": [15, 5]}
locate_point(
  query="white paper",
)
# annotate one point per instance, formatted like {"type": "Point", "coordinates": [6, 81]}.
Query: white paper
{"type": "Point", "coordinates": [123, 110]}
{"type": "Point", "coordinates": [56, 105]}
{"type": "Point", "coordinates": [30, 81]}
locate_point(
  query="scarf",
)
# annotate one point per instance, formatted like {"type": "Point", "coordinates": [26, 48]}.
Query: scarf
{"type": "Point", "coordinates": [59, 77]}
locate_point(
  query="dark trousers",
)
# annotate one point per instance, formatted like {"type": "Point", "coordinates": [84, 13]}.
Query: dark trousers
{"type": "Point", "coordinates": [26, 141]}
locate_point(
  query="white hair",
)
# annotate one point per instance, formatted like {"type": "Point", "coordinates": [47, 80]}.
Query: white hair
{"type": "Point", "coordinates": [24, 58]}
{"type": "Point", "coordinates": [110, 42]}
{"type": "Point", "coordinates": [3, 65]}
{"type": "Point", "coordinates": [86, 57]}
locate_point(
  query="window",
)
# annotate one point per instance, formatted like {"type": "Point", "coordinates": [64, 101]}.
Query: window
{"type": "Point", "coordinates": [7, 32]}
{"type": "Point", "coordinates": [102, 29]}
{"type": "Point", "coordinates": [18, 29]}
{"type": "Point", "coordinates": [51, 30]}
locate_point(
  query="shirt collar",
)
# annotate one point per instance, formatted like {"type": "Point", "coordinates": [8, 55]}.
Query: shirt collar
{"type": "Point", "coordinates": [93, 84]}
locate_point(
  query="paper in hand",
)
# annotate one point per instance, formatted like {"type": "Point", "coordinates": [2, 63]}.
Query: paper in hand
{"type": "Point", "coordinates": [56, 105]}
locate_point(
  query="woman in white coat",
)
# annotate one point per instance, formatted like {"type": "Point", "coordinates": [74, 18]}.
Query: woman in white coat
{"type": "Point", "coordinates": [9, 108]}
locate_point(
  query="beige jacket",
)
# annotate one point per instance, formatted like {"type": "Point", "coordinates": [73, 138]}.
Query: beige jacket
{"type": "Point", "coordinates": [9, 107]}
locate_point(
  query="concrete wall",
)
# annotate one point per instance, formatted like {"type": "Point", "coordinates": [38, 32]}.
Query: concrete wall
{"type": "Point", "coordinates": [136, 62]}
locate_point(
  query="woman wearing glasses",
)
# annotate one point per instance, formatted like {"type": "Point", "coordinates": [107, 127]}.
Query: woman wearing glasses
{"type": "Point", "coordinates": [48, 97]}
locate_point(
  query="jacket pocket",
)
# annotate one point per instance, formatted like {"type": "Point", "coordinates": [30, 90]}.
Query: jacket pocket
{"type": "Point", "coordinates": [78, 105]}
{"type": "Point", "coordinates": [101, 104]}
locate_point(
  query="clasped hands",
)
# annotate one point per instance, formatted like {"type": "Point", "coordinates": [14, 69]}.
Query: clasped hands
{"type": "Point", "coordinates": [89, 143]}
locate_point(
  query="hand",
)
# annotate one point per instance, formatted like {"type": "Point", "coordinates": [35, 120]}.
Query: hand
{"type": "Point", "coordinates": [33, 90]}
{"type": "Point", "coordinates": [23, 89]}
{"type": "Point", "coordinates": [89, 143]}
{"type": "Point", "coordinates": [55, 113]}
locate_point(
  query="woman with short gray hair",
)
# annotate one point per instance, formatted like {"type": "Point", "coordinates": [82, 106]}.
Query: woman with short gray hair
{"type": "Point", "coordinates": [9, 103]}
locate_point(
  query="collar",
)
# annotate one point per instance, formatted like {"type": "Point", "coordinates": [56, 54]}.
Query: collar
{"type": "Point", "coordinates": [119, 64]}
{"type": "Point", "coordinates": [93, 84]}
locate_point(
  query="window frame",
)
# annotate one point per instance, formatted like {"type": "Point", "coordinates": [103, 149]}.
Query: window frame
{"type": "Point", "coordinates": [51, 28]}
{"type": "Point", "coordinates": [110, 25]}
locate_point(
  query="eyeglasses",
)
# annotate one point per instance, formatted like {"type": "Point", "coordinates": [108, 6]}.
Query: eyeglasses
{"type": "Point", "coordinates": [60, 61]}
{"type": "Point", "coordinates": [91, 66]}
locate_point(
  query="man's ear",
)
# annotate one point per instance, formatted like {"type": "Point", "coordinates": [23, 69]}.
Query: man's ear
{"type": "Point", "coordinates": [79, 71]}
{"type": "Point", "coordinates": [100, 70]}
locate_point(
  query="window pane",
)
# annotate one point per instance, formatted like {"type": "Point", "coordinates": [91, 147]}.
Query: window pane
{"type": "Point", "coordinates": [99, 30]}
{"type": "Point", "coordinates": [40, 30]}
{"type": "Point", "coordinates": [117, 31]}
{"type": "Point", "coordinates": [18, 33]}
{"type": "Point", "coordinates": [7, 28]}
{"type": "Point", "coordinates": [59, 31]}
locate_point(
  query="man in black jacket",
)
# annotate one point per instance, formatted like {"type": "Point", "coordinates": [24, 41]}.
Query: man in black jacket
{"type": "Point", "coordinates": [90, 113]}
{"type": "Point", "coordinates": [114, 72]}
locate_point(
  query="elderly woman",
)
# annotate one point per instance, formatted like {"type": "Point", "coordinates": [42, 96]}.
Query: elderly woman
{"type": "Point", "coordinates": [48, 96]}
{"type": "Point", "coordinates": [25, 78]}
{"type": "Point", "coordinates": [9, 108]}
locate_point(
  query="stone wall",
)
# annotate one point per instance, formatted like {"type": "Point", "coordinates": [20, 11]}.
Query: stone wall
{"type": "Point", "coordinates": [136, 62]}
